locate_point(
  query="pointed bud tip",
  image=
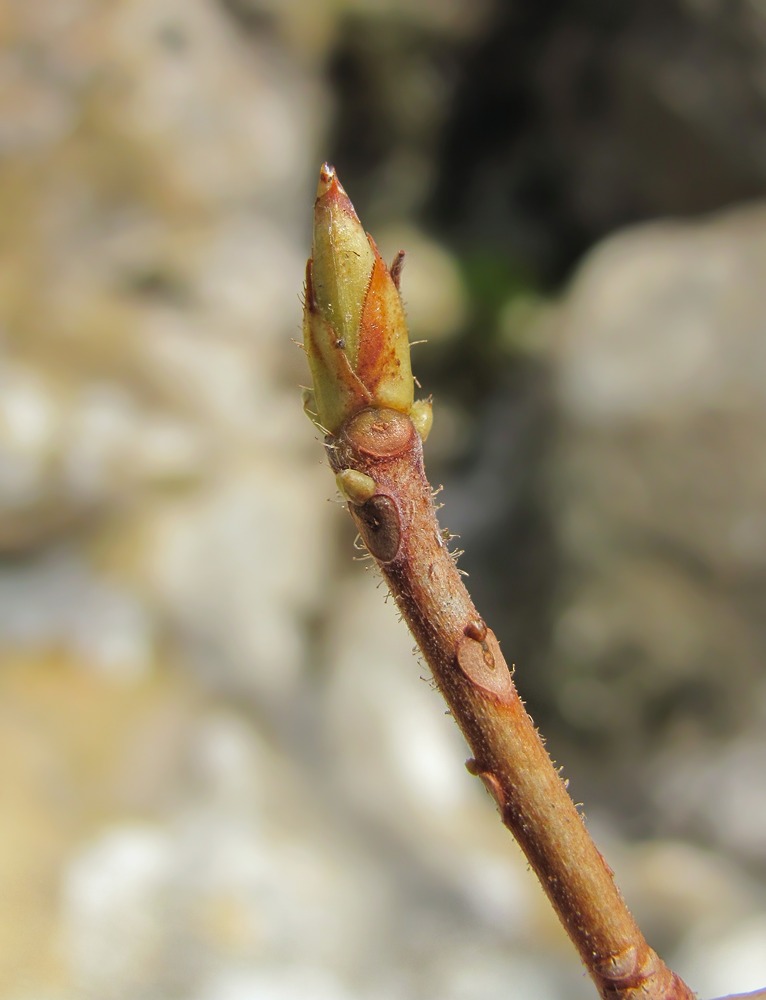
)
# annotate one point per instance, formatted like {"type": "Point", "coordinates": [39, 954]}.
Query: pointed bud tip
{"type": "Point", "coordinates": [330, 189]}
{"type": "Point", "coordinates": [327, 177]}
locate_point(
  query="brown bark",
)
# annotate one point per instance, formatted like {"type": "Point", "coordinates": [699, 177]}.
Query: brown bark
{"type": "Point", "coordinates": [399, 527]}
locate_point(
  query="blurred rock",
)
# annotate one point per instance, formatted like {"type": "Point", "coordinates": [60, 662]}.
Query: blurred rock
{"type": "Point", "coordinates": [114, 892]}
{"type": "Point", "coordinates": [78, 745]}
{"type": "Point", "coordinates": [718, 790]}
{"type": "Point", "coordinates": [162, 502]}
{"type": "Point", "coordinates": [278, 983]}
{"type": "Point", "coordinates": [153, 380]}
{"type": "Point", "coordinates": [71, 453]}
{"type": "Point", "coordinates": [727, 960]}
{"type": "Point", "coordinates": [643, 330]}
{"type": "Point", "coordinates": [683, 892]}
{"type": "Point", "coordinates": [57, 601]}
{"type": "Point", "coordinates": [237, 570]}
{"type": "Point", "coordinates": [658, 486]}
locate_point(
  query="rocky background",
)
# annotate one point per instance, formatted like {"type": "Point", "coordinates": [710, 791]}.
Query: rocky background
{"type": "Point", "coordinates": [220, 775]}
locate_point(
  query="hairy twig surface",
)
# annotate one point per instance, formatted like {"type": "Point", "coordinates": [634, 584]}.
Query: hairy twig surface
{"type": "Point", "coordinates": [356, 343]}
{"type": "Point", "coordinates": [399, 527]}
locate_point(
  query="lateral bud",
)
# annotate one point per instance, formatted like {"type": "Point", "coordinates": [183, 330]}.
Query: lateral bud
{"type": "Point", "coordinates": [355, 487]}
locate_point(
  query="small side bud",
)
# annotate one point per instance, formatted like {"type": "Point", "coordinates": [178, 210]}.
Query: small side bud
{"type": "Point", "coordinates": [356, 487]}
{"type": "Point", "coordinates": [422, 416]}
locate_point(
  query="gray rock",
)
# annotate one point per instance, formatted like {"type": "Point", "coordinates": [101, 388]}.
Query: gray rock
{"type": "Point", "coordinates": [658, 488]}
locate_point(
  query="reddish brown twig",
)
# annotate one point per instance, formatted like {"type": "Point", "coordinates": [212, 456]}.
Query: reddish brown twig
{"type": "Point", "coordinates": [356, 341]}
{"type": "Point", "coordinates": [399, 527]}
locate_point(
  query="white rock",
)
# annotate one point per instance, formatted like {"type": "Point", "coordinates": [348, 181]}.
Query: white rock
{"type": "Point", "coordinates": [112, 909]}
{"type": "Point", "coordinates": [59, 600]}
{"type": "Point", "coordinates": [729, 961]}
{"type": "Point", "coordinates": [28, 435]}
{"type": "Point", "coordinates": [280, 983]}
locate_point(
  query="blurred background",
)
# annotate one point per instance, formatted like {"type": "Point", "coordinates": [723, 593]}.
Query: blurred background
{"type": "Point", "coordinates": [221, 776]}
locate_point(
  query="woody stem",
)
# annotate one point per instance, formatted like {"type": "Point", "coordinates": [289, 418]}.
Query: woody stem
{"type": "Point", "coordinates": [399, 527]}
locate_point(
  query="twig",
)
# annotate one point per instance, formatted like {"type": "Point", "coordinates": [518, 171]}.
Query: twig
{"type": "Point", "coordinates": [353, 338]}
